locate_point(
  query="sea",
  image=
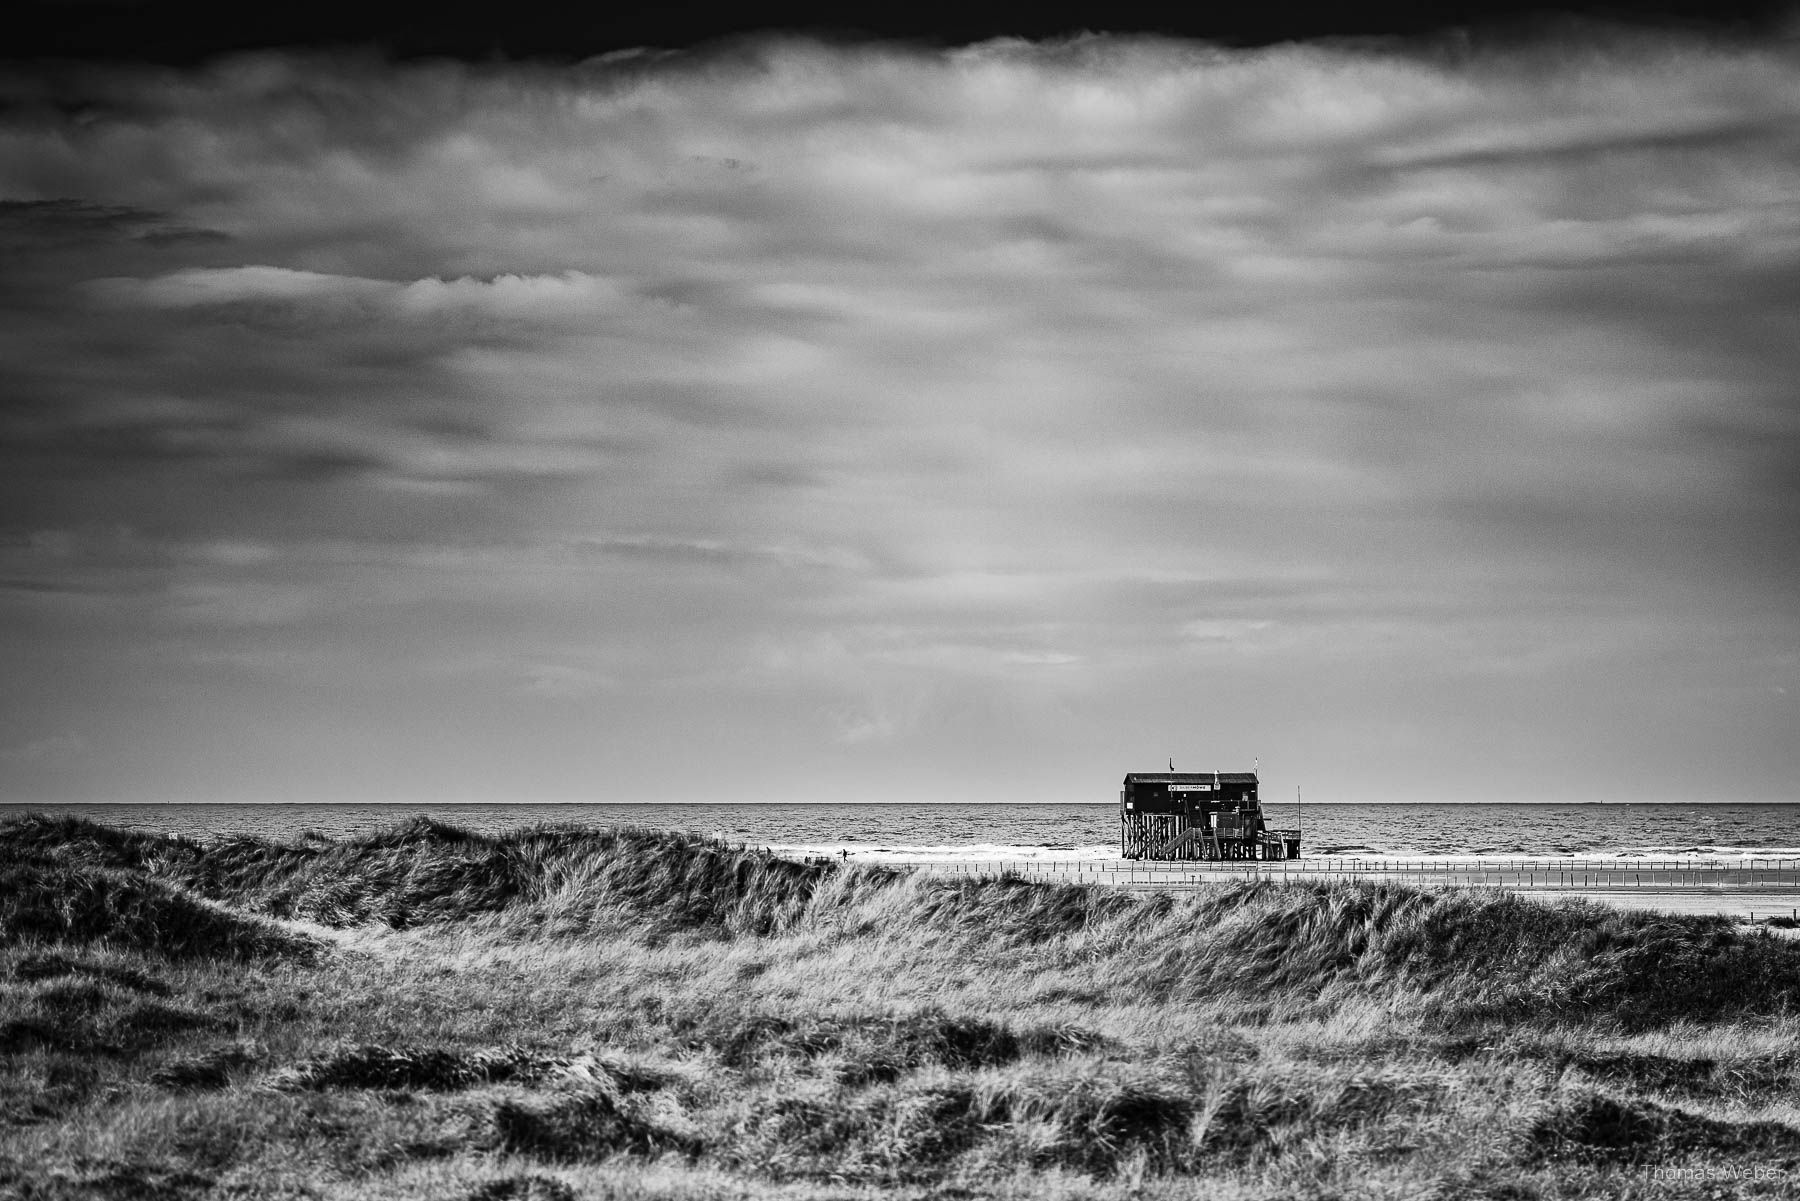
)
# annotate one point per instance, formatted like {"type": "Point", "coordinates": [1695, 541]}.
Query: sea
{"type": "Point", "coordinates": [900, 833]}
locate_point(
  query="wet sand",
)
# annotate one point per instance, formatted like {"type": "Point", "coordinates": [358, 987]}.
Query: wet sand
{"type": "Point", "coordinates": [1761, 889]}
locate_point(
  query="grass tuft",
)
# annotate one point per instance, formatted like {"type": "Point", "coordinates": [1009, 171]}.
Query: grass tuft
{"type": "Point", "coordinates": [107, 1181]}
{"type": "Point", "coordinates": [878, 1048]}
{"type": "Point", "coordinates": [210, 1069]}
{"type": "Point", "coordinates": [55, 964]}
{"type": "Point", "coordinates": [87, 1017]}
{"type": "Point", "coordinates": [1596, 1126]}
{"type": "Point", "coordinates": [590, 1124]}
{"type": "Point", "coordinates": [531, 1186]}
{"type": "Point", "coordinates": [437, 1069]}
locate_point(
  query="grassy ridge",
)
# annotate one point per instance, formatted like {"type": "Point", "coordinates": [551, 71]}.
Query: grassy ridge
{"type": "Point", "coordinates": [563, 1012]}
{"type": "Point", "coordinates": [68, 902]}
{"type": "Point", "coordinates": [1463, 953]}
{"type": "Point", "coordinates": [426, 871]}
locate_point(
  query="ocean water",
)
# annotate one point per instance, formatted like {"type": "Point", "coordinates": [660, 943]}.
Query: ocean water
{"type": "Point", "coordinates": [900, 833]}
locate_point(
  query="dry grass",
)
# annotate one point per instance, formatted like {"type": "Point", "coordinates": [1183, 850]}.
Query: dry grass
{"type": "Point", "coordinates": [562, 1014]}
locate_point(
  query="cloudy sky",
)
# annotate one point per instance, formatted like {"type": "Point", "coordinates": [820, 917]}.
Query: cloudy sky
{"type": "Point", "coordinates": [805, 420]}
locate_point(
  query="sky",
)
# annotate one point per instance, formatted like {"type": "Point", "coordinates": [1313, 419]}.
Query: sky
{"type": "Point", "coordinates": [807, 418]}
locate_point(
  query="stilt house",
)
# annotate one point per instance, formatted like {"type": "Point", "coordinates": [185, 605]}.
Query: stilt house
{"type": "Point", "coordinates": [1198, 815]}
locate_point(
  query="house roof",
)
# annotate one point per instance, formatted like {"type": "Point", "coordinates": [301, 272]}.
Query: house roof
{"type": "Point", "coordinates": [1190, 777]}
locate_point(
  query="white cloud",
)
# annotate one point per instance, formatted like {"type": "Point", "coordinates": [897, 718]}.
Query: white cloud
{"type": "Point", "coordinates": [902, 390]}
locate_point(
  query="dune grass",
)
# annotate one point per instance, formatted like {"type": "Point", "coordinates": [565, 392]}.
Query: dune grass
{"type": "Point", "coordinates": [563, 1013]}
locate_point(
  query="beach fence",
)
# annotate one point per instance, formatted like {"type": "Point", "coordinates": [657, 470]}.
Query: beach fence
{"type": "Point", "coordinates": [1780, 875]}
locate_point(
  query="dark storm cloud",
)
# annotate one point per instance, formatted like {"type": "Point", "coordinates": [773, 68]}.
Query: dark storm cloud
{"type": "Point", "coordinates": [43, 224]}
{"type": "Point", "coordinates": [858, 400]}
{"type": "Point", "coordinates": [38, 226]}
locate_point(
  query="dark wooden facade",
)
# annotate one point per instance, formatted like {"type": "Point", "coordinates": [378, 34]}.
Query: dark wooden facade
{"type": "Point", "coordinates": [1198, 815]}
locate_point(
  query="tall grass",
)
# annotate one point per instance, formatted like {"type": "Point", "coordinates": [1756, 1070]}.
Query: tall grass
{"type": "Point", "coordinates": [52, 901]}
{"type": "Point", "coordinates": [1466, 954]}
{"type": "Point", "coordinates": [567, 1012]}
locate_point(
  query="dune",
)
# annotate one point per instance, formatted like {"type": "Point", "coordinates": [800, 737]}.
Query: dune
{"type": "Point", "coordinates": [628, 1013]}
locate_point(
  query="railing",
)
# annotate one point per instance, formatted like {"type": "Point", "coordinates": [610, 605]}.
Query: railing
{"type": "Point", "coordinates": [1774, 875]}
